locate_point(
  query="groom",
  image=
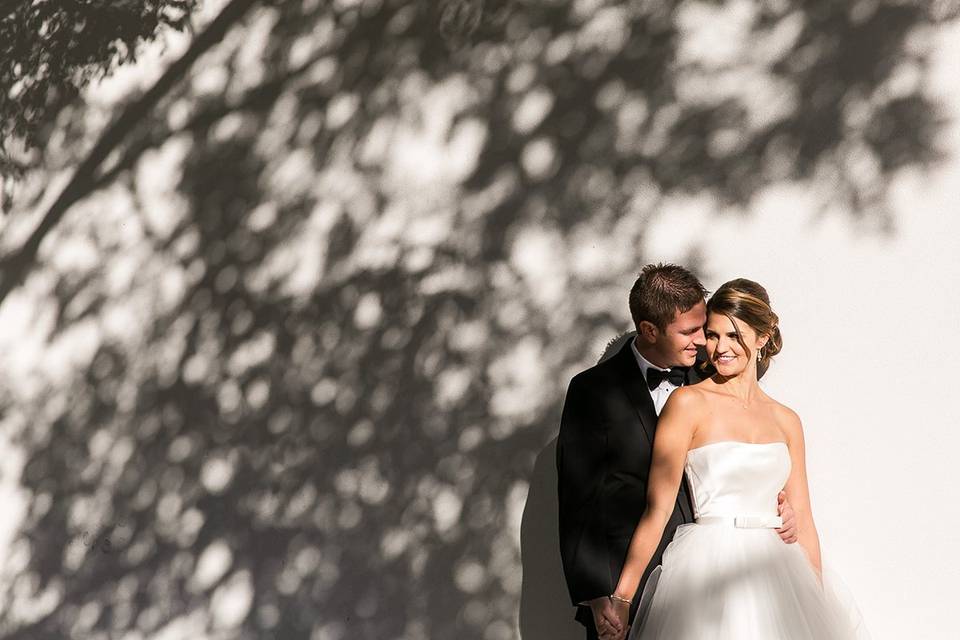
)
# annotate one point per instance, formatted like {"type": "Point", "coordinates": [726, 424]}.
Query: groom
{"type": "Point", "coordinates": [606, 441]}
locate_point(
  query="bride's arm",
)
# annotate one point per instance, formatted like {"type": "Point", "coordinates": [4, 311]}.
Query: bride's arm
{"type": "Point", "coordinates": [798, 493]}
{"type": "Point", "coordinates": [675, 429]}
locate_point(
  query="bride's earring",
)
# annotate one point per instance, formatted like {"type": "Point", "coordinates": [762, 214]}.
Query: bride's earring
{"type": "Point", "coordinates": [759, 354]}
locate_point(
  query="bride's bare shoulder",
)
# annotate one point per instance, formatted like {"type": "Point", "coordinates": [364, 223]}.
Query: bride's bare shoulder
{"type": "Point", "coordinates": [788, 420]}
{"type": "Point", "coordinates": [687, 399]}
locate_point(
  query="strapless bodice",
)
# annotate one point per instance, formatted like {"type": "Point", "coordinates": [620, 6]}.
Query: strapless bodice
{"type": "Point", "coordinates": [730, 478]}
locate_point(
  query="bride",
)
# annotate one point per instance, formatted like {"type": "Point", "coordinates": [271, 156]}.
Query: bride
{"type": "Point", "coordinates": [728, 575]}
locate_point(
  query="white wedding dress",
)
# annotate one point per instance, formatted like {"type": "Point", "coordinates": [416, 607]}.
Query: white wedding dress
{"type": "Point", "coordinates": [729, 575]}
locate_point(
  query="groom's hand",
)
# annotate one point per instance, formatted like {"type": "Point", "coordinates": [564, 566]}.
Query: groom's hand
{"type": "Point", "coordinates": [605, 618]}
{"type": "Point", "coordinates": [788, 532]}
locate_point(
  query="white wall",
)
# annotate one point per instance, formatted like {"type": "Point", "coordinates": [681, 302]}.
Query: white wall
{"type": "Point", "coordinates": [870, 359]}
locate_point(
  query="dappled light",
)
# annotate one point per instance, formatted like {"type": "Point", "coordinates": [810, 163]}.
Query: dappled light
{"type": "Point", "coordinates": [286, 371]}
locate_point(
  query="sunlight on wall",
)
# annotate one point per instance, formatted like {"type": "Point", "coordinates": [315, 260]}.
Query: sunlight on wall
{"type": "Point", "coordinates": [868, 360]}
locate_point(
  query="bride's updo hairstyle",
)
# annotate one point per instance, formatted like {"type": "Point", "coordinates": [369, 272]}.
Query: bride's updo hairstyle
{"type": "Point", "coordinates": [748, 302]}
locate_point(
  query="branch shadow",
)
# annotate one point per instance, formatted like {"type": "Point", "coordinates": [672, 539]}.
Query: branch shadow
{"type": "Point", "coordinates": [303, 357]}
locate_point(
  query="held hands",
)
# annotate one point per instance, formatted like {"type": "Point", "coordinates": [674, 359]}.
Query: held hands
{"type": "Point", "coordinates": [607, 619]}
{"type": "Point", "coordinates": [622, 610]}
{"type": "Point", "coordinates": [788, 532]}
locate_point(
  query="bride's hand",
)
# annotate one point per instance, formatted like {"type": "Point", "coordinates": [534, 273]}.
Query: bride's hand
{"type": "Point", "coordinates": [622, 609]}
{"type": "Point", "coordinates": [788, 532]}
{"type": "Point", "coordinates": [605, 619]}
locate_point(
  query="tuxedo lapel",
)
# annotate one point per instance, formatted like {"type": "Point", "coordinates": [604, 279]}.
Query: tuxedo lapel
{"type": "Point", "coordinates": [631, 379]}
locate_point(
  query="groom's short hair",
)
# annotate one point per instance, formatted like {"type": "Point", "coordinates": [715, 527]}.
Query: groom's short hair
{"type": "Point", "coordinates": [661, 291]}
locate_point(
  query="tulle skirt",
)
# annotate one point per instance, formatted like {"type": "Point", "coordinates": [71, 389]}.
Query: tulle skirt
{"type": "Point", "coordinates": [722, 582]}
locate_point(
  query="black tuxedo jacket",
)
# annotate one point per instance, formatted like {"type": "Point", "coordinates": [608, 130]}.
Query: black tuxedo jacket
{"type": "Point", "coordinates": [604, 452]}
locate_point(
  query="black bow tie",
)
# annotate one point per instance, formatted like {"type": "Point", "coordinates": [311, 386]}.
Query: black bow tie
{"type": "Point", "coordinates": [677, 376]}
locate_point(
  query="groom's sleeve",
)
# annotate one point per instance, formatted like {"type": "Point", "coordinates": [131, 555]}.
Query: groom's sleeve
{"type": "Point", "coordinates": [581, 449]}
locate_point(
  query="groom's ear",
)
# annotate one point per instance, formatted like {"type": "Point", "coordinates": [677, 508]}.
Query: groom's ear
{"type": "Point", "coordinates": [647, 331]}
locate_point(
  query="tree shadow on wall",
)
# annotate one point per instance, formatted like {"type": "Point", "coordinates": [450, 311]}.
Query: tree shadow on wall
{"type": "Point", "coordinates": [343, 275]}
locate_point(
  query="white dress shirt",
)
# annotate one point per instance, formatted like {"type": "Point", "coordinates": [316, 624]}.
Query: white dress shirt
{"type": "Point", "coordinates": [662, 392]}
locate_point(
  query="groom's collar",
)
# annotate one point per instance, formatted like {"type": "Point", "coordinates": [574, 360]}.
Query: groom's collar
{"type": "Point", "coordinates": [642, 362]}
